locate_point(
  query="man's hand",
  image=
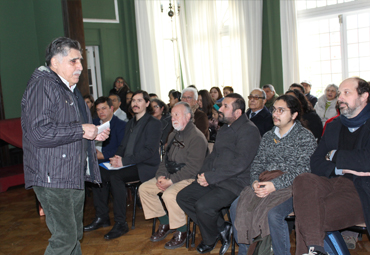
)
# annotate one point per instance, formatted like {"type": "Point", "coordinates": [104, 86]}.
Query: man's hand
{"type": "Point", "coordinates": [99, 154]}
{"type": "Point", "coordinates": [202, 180]}
{"type": "Point", "coordinates": [263, 189]}
{"type": "Point", "coordinates": [163, 183]}
{"type": "Point", "coordinates": [91, 131]}
{"type": "Point", "coordinates": [347, 171]}
{"type": "Point", "coordinates": [103, 135]}
{"type": "Point", "coordinates": [116, 161]}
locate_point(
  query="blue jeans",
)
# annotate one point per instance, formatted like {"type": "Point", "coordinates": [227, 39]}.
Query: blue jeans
{"type": "Point", "coordinates": [279, 230]}
{"type": "Point", "coordinates": [243, 248]}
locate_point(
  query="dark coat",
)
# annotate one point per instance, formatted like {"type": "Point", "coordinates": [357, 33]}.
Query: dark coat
{"type": "Point", "coordinates": [229, 164]}
{"type": "Point", "coordinates": [263, 120]}
{"type": "Point", "coordinates": [117, 131]}
{"type": "Point", "coordinates": [356, 159]}
{"type": "Point", "coordinates": [201, 121]}
{"type": "Point", "coordinates": [146, 152]}
{"type": "Point", "coordinates": [312, 99]}
{"type": "Point", "coordinates": [314, 124]}
{"type": "Point", "coordinates": [52, 134]}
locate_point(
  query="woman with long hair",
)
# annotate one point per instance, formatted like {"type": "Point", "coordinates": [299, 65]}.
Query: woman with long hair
{"type": "Point", "coordinates": [205, 102]}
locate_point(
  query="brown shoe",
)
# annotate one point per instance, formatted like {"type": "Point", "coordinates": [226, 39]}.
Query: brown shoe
{"type": "Point", "coordinates": [161, 233]}
{"type": "Point", "coordinates": [178, 240]}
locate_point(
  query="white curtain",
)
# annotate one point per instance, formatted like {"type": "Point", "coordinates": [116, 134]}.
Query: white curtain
{"type": "Point", "coordinates": [245, 29]}
{"type": "Point", "coordinates": [289, 43]}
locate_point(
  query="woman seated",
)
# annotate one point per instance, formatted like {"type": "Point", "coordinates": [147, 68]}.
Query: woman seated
{"type": "Point", "coordinates": [214, 124]}
{"type": "Point", "coordinates": [216, 94]}
{"type": "Point", "coordinates": [325, 106]}
{"type": "Point", "coordinates": [160, 111]}
{"type": "Point", "coordinates": [310, 119]}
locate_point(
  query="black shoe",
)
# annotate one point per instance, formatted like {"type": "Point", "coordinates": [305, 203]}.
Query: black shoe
{"type": "Point", "coordinates": [97, 223]}
{"type": "Point", "coordinates": [118, 230]}
{"type": "Point", "coordinates": [204, 248]}
{"type": "Point", "coordinates": [178, 240]}
{"type": "Point", "coordinates": [226, 237]}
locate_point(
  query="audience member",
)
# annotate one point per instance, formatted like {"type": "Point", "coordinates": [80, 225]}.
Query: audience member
{"type": "Point", "coordinates": [205, 102]}
{"type": "Point", "coordinates": [224, 174]}
{"type": "Point", "coordinates": [89, 100]}
{"type": "Point", "coordinates": [153, 95]}
{"type": "Point", "coordinates": [185, 154]}
{"type": "Point", "coordinates": [214, 123]}
{"type": "Point", "coordinates": [325, 106]}
{"type": "Point", "coordinates": [160, 112]}
{"type": "Point", "coordinates": [175, 97]}
{"type": "Point", "coordinates": [296, 86]}
{"type": "Point", "coordinates": [271, 96]}
{"type": "Point", "coordinates": [116, 101]}
{"type": "Point", "coordinates": [120, 88]}
{"type": "Point", "coordinates": [257, 112]}
{"type": "Point", "coordinates": [58, 148]}
{"type": "Point", "coordinates": [336, 195]}
{"type": "Point", "coordinates": [128, 110]}
{"type": "Point", "coordinates": [283, 154]}
{"type": "Point", "coordinates": [216, 94]}
{"type": "Point", "coordinates": [190, 96]}
{"type": "Point", "coordinates": [310, 119]}
{"type": "Point", "coordinates": [307, 87]}
{"type": "Point", "coordinates": [193, 86]}
{"type": "Point", "coordinates": [227, 90]}
{"type": "Point", "coordinates": [104, 108]}
{"type": "Point", "coordinates": [332, 118]}
{"type": "Point", "coordinates": [137, 157]}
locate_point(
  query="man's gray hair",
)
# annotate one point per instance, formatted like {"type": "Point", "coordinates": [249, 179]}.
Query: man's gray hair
{"type": "Point", "coordinates": [195, 92]}
{"type": "Point", "coordinates": [117, 96]}
{"type": "Point", "coordinates": [263, 92]}
{"type": "Point", "coordinates": [187, 109]}
{"type": "Point", "coordinates": [271, 87]}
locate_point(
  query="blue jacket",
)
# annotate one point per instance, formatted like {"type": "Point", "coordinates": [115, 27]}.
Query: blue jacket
{"type": "Point", "coordinates": [52, 135]}
{"type": "Point", "coordinates": [117, 131]}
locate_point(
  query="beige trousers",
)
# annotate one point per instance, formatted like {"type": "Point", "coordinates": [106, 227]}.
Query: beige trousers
{"type": "Point", "coordinates": [152, 206]}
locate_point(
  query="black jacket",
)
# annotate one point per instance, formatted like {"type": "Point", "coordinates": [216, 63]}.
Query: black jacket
{"type": "Point", "coordinates": [263, 120]}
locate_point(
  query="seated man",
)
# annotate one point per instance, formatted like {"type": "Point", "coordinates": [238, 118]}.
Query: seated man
{"type": "Point", "coordinates": [257, 112]}
{"type": "Point", "coordinates": [116, 101]}
{"type": "Point", "coordinates": [307, 87]}
{"type": "Point", "coordinates": [104, 109]}
{"type": "Point", "coordinates": [188, 146]}
{"type": "Point", "coordinates": [190, 96]}
{"type": "Point", "coordinates": [336, 195]}
{"type": "Point", "coordinates": [137, 156]}
{"type": "Point", "coordinates": [224, 174]}
{"type": "Point", "coordinates": [271, 96]}
{"type": "Point", "coordinates": [287, 147]}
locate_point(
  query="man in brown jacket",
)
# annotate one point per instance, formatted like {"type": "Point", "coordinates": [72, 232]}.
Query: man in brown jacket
{"type": "Point", "coordinates": [186, 151]}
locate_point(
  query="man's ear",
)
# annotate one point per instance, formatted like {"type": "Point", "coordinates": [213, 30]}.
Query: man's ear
{"type": "Point", "coordinates": [238, 113]}
{"type": "Point", "coordinates": [294, 115]}
{"type": "Point", "coordinates": [53, 62]}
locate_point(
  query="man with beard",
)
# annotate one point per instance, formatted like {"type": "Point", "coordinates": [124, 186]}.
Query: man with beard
{"type": "Point", "coordinates": [137, 156]}
{"type": "Point", "coordinates": [336, 195]}
{"type": "Point", "coordinates": [225, 172]}
{"type": "Point", "coordinates": [186, 150]}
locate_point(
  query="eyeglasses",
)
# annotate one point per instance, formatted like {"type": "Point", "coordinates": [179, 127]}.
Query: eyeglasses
{"type": "Point", "coordinates": [187, 98]}
{"type": "Point", "coordinates": [156, 106]}
{"type": "Point", "coordinates": [178, 143]}
{"type": "Point", "coordinates": [255, 97]}
{"type": "Point", "coordinates": [279, 110]}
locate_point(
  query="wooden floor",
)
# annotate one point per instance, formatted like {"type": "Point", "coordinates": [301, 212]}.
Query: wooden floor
{"type": "Point", "coordinates": [22, 231]}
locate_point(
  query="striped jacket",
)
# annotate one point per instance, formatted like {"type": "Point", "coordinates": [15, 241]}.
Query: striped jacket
{"type": "Point", "coordinates": [52, 135]}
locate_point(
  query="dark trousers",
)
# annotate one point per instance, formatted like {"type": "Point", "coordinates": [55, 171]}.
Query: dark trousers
{"type": "Point", "coordinates": [118, 179]}
{"type": "Point", "coordinates": [64, 212]}
{"type": "Point", "coordinates": [101, 194]}
{"type": "Point", "coordinates": [203, 206]}
{"type": "Point", "coordinates": [322, 204]}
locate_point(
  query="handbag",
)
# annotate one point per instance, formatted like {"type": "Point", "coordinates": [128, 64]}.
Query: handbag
{"type": "Point", "coordinates": [171, 166]}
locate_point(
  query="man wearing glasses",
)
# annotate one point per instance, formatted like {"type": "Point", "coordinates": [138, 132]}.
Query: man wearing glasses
{"type": "Point", "coordinates": [257, 111]}
{"type": "Point", "coordinates": [225, 172]}
{"type": "Point", "coordinates": [190, 95]}
{"type": "Point", "coordinates": [185, 153]}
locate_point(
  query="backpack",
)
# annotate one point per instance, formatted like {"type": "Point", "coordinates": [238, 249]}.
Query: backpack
{"type": "Point", "coordinates": [261, 246]}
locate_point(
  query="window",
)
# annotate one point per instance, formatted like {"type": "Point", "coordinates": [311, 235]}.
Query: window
{"type": "Point", "coordinates": [333, 41]}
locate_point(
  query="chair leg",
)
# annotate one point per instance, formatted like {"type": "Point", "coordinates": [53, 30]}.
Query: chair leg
{"type": "Point", "coordinates": [134, 213]}
{"type": "Point", "coordinates": [188, 233]}
{"type": "Point", "coordinates": [193, 234]}
{"type": "Point", "coordinates": [154, 225]}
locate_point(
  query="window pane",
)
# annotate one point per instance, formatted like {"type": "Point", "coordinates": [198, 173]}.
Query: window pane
{"type": "Point", "coordinates": [353, 65]}
{"type": "Point", "coordinates": [363, 34]}
{"type": "Point", "coordinates": [364, 49]}
{"type": "Point", "coordinates": [325, 53]}
{"type": "Point", "coordinates": [335, 52]}
{"type": "Point", "coordinates": [363, 20]}
{"type": "Point", "coordinates": [336, 66]}
{"type": "Point", "coordinates": [352, 50]}
{"type": "Point", "coordinates": [351, 21]}
{"type": "Point", "coordinates": [352, 36]}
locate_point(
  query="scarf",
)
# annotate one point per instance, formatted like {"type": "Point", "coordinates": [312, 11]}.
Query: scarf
{"type": "Point", "coordinates": [357, 121]}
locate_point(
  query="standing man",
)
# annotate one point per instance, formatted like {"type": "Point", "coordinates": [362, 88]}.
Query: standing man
{"type": "Point", "coordinates": [307, 87]}
{"type": "Point", "coordinates": [190, 95]}
{"type": "Point", "coordinates": [138, 156]}
{"type": "Point", "coordinates": [271, 96]}
{"type": "Point", "coordinates": [225, 172]}
{"type": "Point", "coordinates": [257, 112]}
{"type": "Point", "coordinates": [116, 101]}
{"type": "Point", "coordinates": [58, 147]}
{"type": "Point", "coordinates": [186, 151]}
{"type": "Point", "coordinates": [104, 109]}
{"type": "Point", "coordinates": [336, 195]}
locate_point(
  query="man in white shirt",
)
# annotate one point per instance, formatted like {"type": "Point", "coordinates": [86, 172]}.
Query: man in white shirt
{"type": "Point", "coordinates": [116, 101]}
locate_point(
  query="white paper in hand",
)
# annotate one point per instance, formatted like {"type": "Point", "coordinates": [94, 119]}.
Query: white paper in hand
{"type": "Point", "coordinates": [103, 127]}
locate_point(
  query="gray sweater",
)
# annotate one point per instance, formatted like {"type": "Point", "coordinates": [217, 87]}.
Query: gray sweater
{"type": "Point", "coordinates": [290, 154]}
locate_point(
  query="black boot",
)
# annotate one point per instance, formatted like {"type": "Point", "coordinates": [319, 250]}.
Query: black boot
{"type": "Point", "coordinates": [97, 223]}
{"type": "Point", "coordinates": [118, 230]}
